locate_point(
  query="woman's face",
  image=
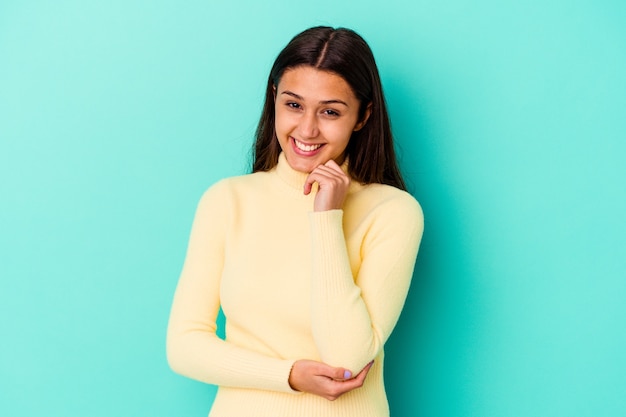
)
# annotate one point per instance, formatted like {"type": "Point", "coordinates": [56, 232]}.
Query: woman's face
{"type": "Point", "coordinates": [316, 113]}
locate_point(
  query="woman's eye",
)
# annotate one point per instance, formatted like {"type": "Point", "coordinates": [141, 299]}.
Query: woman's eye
{"type": "Point", "coordinates": [330, 112]}
{"type": "Point", "coordinates": [293, 105]}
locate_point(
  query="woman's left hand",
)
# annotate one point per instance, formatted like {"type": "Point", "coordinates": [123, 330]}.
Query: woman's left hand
{"type": "Point", "coordinates": [333, 186]}
{"type": "Point", "coordinates": [324, 380]}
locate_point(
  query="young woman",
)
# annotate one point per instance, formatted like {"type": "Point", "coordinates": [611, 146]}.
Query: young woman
{"type": "Point", "coordinates": [310, 257]}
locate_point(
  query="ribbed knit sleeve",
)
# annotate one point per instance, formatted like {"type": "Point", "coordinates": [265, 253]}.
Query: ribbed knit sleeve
{"type": "Point", "coordinates": [354, 314]}
{"type": "Point", "coordinates": [193, 348]}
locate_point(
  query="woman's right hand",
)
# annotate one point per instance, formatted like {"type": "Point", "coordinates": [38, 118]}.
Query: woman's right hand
{"type": "Point", "coordinates": [324, 380]}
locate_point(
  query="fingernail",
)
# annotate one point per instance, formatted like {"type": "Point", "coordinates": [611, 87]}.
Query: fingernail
{"type": "Point", "coordinates": [347, 374]}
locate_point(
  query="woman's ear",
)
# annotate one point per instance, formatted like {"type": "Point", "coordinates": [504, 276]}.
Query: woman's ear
{"type": "Point", "coordinates": [274, 90]}
{"type": "Point", "coordinates": [366, 115]}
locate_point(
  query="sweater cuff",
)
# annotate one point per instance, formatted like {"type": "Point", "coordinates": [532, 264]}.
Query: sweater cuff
{"type": "Point", "coordinates": [275, 377]}
{"type": "Point", "coordinates": [291, 390]}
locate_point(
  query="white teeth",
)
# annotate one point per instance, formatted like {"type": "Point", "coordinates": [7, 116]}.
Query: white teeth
{"type": "Point", "coordinates": [306, 148]}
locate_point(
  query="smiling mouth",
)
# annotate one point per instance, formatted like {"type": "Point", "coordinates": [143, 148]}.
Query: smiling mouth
{"type": "Point", "coordinates": [306, 148]}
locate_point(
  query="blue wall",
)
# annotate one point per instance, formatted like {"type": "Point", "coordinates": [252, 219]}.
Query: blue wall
{"type": "Point", "coordinates": [511, 121]}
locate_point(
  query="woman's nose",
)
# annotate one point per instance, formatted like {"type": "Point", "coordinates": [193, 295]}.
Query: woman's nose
{"type": "Point", "coordinates": [308, 125]}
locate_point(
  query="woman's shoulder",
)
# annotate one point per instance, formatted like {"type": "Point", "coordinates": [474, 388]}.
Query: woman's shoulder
{"type": "Point", "coordinates": [386, 210]}
{"type": "Point", "coordinates": [386, 207]}
{"type": "Point", "coordinates": [387, 198]}
{"type": "Point", "coordinates": [232, 188]}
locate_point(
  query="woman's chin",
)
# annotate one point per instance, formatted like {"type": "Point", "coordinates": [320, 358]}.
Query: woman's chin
{"type": "Point", "coordinates": [303, 163]}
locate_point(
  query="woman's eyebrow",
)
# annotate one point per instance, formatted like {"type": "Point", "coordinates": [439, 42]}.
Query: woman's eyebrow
{"type": "Point", "coordinates": [294, 95]}
{"type": "Point", "coordinates": [333, 101]}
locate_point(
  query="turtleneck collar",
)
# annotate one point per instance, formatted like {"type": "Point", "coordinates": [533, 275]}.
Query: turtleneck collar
{"type": "Point", "coordinates": [294, 179]}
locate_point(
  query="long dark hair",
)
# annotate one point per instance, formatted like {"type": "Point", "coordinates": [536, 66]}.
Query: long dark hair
{"type": "Point", "coordinates": [370, 151]}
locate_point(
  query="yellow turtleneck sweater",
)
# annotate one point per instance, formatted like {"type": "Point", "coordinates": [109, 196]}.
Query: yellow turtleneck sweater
{"type": "Point", "coordinates": [293, 284]}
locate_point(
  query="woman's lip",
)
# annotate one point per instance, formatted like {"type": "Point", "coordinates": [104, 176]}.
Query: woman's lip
{"type": "Point", "coordinates": [303, 152]}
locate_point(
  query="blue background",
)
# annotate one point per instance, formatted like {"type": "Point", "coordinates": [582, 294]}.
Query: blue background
{"type": "Point", "coordinates": [510, 121]}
